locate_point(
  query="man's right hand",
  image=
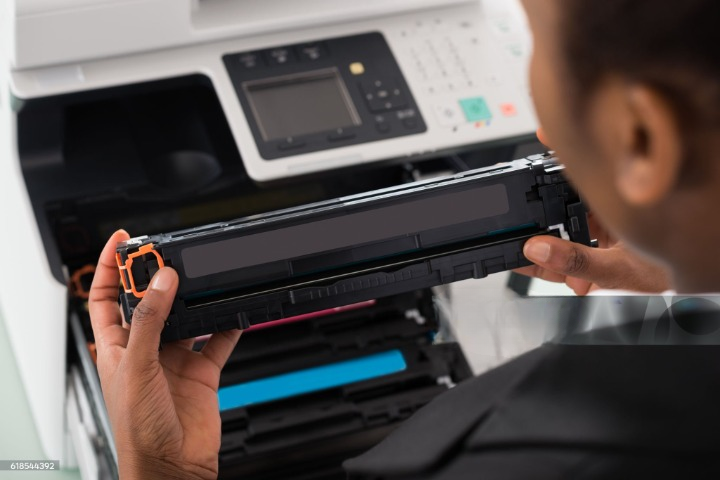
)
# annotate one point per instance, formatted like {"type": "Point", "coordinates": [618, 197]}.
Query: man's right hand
{"type": "Point", "coordinates": [611, 266]}
{"type": "Point", "coordinates": [584, 269]}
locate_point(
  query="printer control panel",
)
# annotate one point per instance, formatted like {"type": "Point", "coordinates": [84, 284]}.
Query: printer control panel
{"type": "Point", "coordinates": [322, 95]}
{"type": "Point", "coordinates": [470, 74]}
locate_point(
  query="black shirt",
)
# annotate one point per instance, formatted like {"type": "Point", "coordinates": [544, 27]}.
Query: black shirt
{"type": "Point", "coordinates": [569, 411]}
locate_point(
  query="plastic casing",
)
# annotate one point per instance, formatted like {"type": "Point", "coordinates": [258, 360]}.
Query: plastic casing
{"type": "Point", "coordinates": [438, 45]}
{"type": "Point", "coordinates": [537, 198]}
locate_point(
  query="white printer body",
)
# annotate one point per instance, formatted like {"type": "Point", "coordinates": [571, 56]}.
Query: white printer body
{"type": "Point", "coordinates": [462, 81]}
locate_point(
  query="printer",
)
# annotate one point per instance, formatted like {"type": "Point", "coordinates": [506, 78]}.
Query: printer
{"type": "Point", "coordinates": [157, 115]}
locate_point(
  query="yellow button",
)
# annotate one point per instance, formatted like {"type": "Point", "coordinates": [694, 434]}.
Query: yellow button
{"type": "Point", "coordinates": [357, 68]}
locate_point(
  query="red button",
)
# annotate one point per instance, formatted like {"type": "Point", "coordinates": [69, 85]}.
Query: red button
{"type": "Point", "coordinates": [508, 109]}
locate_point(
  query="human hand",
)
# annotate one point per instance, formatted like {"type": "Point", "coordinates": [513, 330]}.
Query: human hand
{"type": "Point", "coordinates": [163, 405]}
{"type": "Point", "coordinates": [584, 269]}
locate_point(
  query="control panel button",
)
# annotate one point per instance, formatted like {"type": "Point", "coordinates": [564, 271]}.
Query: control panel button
{"type": "Point", "coordinates": [250, 60]}
{"type": "Point", "coordinates": [311, 52]}
{"type": "Point", "coordinates": [290, 144]}
{"type": "Point", "coordinates": [508, 109]}
{"type": "Point", "coordinates": [475, 109]}
{"type": "Point", "coordinates": [516, 50]}
{"type": "Point", "coordinates": [449, 114]}
{"type": "Point", "coordinates": [382, 124]}
{"type": "Point", "coordinates": [405, 114]}
{"type": "Point", "coordinates": [408, 118]}
{"type": "Point", "coordinates": [340, 135]}
{"type": "Point", "coordinates": [357, 68]}
{"type": "Point", "coordinates": [280, 56]}
{"type": "Point", "coordinates": [503, 26]}
{"type": "Point", "coordinates": [410, 123]}
{"type": "Point", "coordinates": [379, 105]}
{"type": "Point", "coordinates": [383, 96]}
{"type": "Point", "coordinates": [494, 80]}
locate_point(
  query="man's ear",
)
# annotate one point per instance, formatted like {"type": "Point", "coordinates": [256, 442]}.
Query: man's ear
{"type": "Point", "coordinates": [650, 159]}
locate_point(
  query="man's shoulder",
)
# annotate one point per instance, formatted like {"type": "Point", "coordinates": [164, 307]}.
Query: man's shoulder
{"type": "Point", "coordinates": [432, 433]}
{"type": "Point", "coordinates": [566, 401]}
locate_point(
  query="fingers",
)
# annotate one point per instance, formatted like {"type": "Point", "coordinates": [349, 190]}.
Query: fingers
{"type": "Point", "coordinates": [579, 286]}
{"type": "Point", "coordinates": [149, 317]}
{"type": "Point", "coordinates": [220, 346]}
{"type": "Point", "coordinates": [604, 267]}
{"type": "Point", "coordinates": [102, 302]}
{"type": "Point", "coordinates": [187, 344]}
{"type": "Point", "coordinates": [541, 273]}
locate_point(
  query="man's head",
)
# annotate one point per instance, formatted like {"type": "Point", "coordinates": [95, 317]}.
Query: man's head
{"type": "Point", "coordinates": [628, 93]}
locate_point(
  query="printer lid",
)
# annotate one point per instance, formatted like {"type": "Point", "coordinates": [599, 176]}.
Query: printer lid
{"type": "Point", "coordinates": [40, 33]}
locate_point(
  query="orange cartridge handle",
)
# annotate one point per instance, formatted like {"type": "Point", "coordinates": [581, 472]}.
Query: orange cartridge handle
{"type": "Point", "coordinates": [125, 268]}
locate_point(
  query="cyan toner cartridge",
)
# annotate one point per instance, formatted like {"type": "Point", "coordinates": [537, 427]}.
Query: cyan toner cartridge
{"type": "Point", "coordinates": [343, 251]}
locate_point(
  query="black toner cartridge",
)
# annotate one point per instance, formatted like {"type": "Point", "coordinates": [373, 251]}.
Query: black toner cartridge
{"type": "Point", "coordinates": [339, 252]}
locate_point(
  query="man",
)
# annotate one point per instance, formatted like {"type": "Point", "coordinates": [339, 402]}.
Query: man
{"type": "Point", "coordinates": [628, 95]}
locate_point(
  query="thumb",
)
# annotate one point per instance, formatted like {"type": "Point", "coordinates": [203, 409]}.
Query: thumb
{"type": "Point", "coordinates": [149, 316]}
{"type": "Point", "coordinates": [599, 266]}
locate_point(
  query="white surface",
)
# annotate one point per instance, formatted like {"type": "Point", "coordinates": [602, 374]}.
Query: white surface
{"type": "Point", "coordinates": [81, 428]}
{"type": "Point", "coordinates": [489, 37]}
{"type": "Point", "coordinates": [18, 436]}
{"type": "Point", "coordinates": [541, 288]}
{"type": "Point", "coordinates": [7, 30]}
{"type": "Point", "coordinates": [33, 303]}
{"type": "Point", "coordinates": [51, 32]}
{"type": "Point", "coordinates": [494, 325]}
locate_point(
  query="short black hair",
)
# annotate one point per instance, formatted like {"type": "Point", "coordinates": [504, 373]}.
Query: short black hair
{"type": "Point", "coordinates": [671, 45]}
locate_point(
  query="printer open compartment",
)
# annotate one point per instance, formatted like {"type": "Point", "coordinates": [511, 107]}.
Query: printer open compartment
{"type": "Point", "coordinates": [159, 156]}
{"type": "Point", "coordinates": [148, 158]}
{"type": "Point", "coordinates": [355, 376]}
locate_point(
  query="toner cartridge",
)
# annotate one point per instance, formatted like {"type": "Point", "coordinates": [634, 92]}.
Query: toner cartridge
{"type": "Point", "coordinates": [339, 252]}
{"type": "Point", "coordinates": [317, 392]}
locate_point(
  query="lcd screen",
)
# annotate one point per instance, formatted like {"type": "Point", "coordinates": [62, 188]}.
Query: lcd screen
{"type": "Point", "coordinates": [302, 104]}
{"type": "Point", "coordinates": [346, 231]}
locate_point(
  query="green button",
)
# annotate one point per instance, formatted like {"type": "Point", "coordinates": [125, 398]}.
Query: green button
{"type": "Point", "coordinates": [476, 110]}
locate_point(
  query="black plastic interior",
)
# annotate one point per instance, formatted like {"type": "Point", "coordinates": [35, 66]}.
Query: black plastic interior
{"type": "Point", "coordinates": [159, 156]}
{"type": "Point", "coordinates": [149, 158]}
